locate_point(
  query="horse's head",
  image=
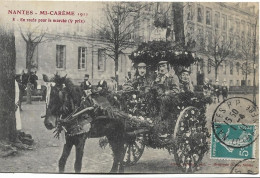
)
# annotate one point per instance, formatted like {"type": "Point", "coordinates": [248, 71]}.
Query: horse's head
{"type": "Point", "coordinates": [59, 103]}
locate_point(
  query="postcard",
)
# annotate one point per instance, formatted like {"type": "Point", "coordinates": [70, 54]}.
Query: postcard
{"type": "Point", "coordinates": [129, 87]}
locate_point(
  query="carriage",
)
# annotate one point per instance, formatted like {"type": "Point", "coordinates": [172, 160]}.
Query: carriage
{"type": "Point", "coordinates": [179, 126]}
{"type": "Point", "coordinates": [132, 119]}
{"type": "Point", "coordinates": [176, 122]}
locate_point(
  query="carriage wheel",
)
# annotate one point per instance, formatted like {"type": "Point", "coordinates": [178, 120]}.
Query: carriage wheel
{"type": "Point", "coordinates": [134, 148]}
{"type": "Point", "coordinates": [190, 137]}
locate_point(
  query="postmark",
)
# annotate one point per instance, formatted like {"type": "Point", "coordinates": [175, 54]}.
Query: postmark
{"type": "Point", "coordinates": [246, 166]}
{"type": "Point", "coordinates": [234, 122]}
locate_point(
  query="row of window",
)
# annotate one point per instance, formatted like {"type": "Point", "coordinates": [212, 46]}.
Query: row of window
{"type": "Point", "coordinates": [82, 58]}
{"type": "Point", "coordinates": [239, 69]}
{"type": "Point", "coordinates": [239, 83]}
{"type": "Point", "coordinates": [232, 23]}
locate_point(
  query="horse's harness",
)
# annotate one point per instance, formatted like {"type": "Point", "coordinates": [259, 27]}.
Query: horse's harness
{"type": "Point", "coordinates": [72, 116]}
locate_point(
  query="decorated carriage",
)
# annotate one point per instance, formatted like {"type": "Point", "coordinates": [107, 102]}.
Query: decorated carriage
{"type": "Point", "coordinates": [135, 117]}
{"type": "Point", "coordinates": [174, 121]}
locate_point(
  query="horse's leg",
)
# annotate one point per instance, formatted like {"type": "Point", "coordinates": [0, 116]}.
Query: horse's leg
{"type": "Point", "coordinates": [117, 145]}
{"type": "Point", "coordinates": [79, 153]}
{"type": "Point", "coordinates": [65, 154]}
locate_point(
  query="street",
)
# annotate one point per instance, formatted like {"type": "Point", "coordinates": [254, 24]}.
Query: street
{"type": "Point", "coordinates": [47, 150]}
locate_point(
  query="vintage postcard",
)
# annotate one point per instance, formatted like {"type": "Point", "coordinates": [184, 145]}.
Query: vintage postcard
{"type": "Point", "coordinates": [129, 87]}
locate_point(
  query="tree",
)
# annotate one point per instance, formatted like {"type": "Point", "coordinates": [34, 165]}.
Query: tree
{"type": "Point", "coordinates": [246, 52]}
{"type": "Point", "coordinates": [121, 18]}
{"type": "Point", "coordinates": [7, 87]}
{"type": "Point", "coordinates": [32, 37]}
{"type": "Point", "coordinates": [218, 49]}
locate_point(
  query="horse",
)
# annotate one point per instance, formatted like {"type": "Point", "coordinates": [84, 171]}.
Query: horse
{"type": "Point", "coordinates": [63, 99]}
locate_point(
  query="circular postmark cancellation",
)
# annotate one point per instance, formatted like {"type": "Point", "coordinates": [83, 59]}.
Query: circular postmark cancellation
{"type": "Point", "coordinates": [235, 122]}
{"type": "Point", "coordinates": [246, 166]}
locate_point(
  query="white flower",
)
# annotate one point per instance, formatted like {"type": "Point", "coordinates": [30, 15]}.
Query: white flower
{"type": "Point", "coordinates": [134, 54]}
{"type": "Point", "coordinates": [186, 53]}
{"type": "Point", "coordinates": [134, 96]}
{"type": "Point", "coordinates": [141, 118]}
{"type": "Point", "coordinates": [193, 55]}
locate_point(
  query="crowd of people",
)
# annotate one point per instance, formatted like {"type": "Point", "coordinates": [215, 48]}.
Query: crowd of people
{"type": "Point", "coordinates": [215, 90]}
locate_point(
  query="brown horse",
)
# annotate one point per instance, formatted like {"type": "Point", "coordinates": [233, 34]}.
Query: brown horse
{"type": "Point", "coordinates": [62, 101]}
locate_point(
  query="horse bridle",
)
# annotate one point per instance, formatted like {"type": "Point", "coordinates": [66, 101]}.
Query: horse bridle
{"type": "Point", "coordinates": [61, 91]}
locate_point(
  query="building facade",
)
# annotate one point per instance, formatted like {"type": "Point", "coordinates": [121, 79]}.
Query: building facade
{"type": "Point", "coordinates": [216, 22]}
{"type": "Point", "coordinates": [76, 50]}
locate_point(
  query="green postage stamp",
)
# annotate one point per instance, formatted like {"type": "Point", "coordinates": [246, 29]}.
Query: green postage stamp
{"type": "Point", "coordinates": [240, 135]}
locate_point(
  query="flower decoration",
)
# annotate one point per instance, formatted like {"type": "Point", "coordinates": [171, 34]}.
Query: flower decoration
{"type": "Point", "coordinates": [154, 51]}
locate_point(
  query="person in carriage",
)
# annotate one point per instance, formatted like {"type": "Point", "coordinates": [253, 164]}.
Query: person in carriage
{"type": "Point", "coordinates": [169, 81]}
{"type": "Point", "coordinates": [184, 78]}
{"type": "Point", "coordinates": [141, 80]}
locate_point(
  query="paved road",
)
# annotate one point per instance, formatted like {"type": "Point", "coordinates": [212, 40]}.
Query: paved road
{"type": "Point", "coordinates": [47, 151]}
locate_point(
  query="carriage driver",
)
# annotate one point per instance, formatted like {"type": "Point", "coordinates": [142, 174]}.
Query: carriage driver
{"type": "Point", "coordinates": [169, 81]}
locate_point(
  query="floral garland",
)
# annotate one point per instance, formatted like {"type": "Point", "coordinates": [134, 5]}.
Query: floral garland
{"type": "Point", "coordinates": [154, 51]}
{"type": "Point", "coordinates": [157, 113]}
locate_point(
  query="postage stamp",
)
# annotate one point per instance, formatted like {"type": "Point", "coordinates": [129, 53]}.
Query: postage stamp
{"type": "Point", "coordinates": [239, 138]}
{"type": "Point", "coordinates": [234, 129]}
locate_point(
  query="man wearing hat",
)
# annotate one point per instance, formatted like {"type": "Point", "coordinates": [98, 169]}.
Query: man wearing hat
{"type": "Point", "coordinates": [169, 81]}
{"type": "Point", "coordinates": [217, 91]}
{"type": "Point", "coordinates": [224, 90]}
{"type": "Point", "coordinates": [207, 87]}
{"type": "Point", "coordinates": [86, 85]}
{"type": "Point", "coordinates": [184, 77]}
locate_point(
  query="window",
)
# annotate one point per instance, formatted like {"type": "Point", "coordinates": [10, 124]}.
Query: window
{"type": "Point", "coordinates": [224, 22]}
{"type": "Point", "coordinates": [249, 83]}
{"type": "Point", "coordinates": [249, 29]}
{"type": "Point", "coordinates": [237, 82]}
{"type": "Point", "coordinates": [79, 27]}
{"type": "Point", "coordinates": [231, 68]}
{"type": "Point", "coordinates": [237, 67]}
{"type": "Point", "coordinates": [82, 57]}
{"type": "Point", "coordinates": [231, 25]}
{"type": "Point", "coordinates": [190, 12]}
{"type": "Point", "coordinates": [60, 56]}
{"type": "Point", "coordinates": [200, 15]}
{"type": "Point", "coordinates": [200, 37]}
{"type": "Point", "coordinates": [208, 40]}
{"type": "Point", "coordinates": [237, 27]}
{"type": "Point", "coordinates": [225, 67]}
{"type": "Point", "coordinates": [217, 20]}
{"type": "Point", "coordinates": [101, 59]}
{"type": "Point", "coordinates": [208, 17]}
{"type": "Point", "coordinates": [231, 83]}
{"type": "Point", "coordinates": [209, 65]}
